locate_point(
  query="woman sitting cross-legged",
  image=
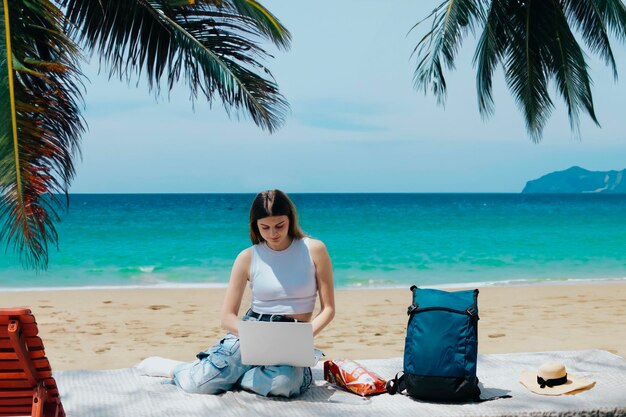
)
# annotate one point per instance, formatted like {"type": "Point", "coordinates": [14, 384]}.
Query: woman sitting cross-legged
{"type": "Point", "coordinates": [286, 271]}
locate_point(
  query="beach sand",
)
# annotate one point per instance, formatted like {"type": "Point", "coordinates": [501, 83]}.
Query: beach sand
{"type": "Point", "coordinates": [106, 329]}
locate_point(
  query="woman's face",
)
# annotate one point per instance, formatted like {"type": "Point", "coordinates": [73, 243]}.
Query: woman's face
{"type": "Point", "coordinates": [275, 231]}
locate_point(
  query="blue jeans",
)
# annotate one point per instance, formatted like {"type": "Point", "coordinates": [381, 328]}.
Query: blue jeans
{"type": "Point", "coordinates": [219, 369]}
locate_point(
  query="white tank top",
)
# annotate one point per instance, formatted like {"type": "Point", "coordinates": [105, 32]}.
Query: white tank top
{"type": "Point", "coordinates": [283, 282]}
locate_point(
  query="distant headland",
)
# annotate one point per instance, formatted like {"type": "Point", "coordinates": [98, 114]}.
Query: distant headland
{"type": "Point", "coordinates": [578, 180]}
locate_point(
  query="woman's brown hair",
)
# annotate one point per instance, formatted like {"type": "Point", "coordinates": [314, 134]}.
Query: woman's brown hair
{"type": "Point", "coordinates": [273, 203]}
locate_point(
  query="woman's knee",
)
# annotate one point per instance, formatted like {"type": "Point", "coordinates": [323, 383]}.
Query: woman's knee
{"type": "Point", "coordinates": [202, 377]}
{"type": "Point", "coordinates": [215, 371]}
{"type": "Point", "coordinates": [282, 381]}
{"type": "Point", "coordinates": [287, 381]}
{"type": "Point", "coordinates": [295, 381]}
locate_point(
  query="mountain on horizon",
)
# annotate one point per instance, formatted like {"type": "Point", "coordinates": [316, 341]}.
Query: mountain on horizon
{"type": "Point", "coordinates": [576, 180]}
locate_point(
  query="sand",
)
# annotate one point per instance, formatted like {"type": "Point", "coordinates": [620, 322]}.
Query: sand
{"type": "Point", "coordinates": [107, 329]}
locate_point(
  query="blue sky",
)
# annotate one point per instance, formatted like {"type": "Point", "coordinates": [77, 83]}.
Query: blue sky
{"type": "Point", "coordinates": [356, 123]}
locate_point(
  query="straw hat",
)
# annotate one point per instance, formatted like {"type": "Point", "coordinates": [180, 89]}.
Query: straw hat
{"type": "Point", "coordinates": [552, 379]}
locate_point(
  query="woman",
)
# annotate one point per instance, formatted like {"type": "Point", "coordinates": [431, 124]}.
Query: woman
{"type": "Point", "coordinates": [286, 271]}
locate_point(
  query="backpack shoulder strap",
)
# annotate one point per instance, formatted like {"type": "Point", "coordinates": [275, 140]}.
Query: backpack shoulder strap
{"type": "Point", "coordinates": [396, 385]}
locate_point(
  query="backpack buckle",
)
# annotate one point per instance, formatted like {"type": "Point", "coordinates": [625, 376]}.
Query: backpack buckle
{"type": "Point", "coordinates": [472, 311]}
{"type": "Point", "coordinates": [411, 309]}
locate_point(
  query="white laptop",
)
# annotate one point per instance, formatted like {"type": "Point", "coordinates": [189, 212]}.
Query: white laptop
{"type": "Point", "coordinates": [276, 343]}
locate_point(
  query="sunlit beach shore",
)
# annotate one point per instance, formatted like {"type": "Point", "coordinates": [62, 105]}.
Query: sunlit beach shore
{"type": "Point", "coordinates": [106, 329]}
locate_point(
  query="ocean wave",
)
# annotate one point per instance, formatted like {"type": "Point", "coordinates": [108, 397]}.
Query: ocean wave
{"type": "Point", "coordinates": [525, 282]}
{"type": "Point", "coordinates": [369, 284]}
{"type": "Point", "coordinates": [385, 284]}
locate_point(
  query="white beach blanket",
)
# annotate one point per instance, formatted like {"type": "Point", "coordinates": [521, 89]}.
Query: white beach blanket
{"type": "Point", "coordinates": [126, 393]}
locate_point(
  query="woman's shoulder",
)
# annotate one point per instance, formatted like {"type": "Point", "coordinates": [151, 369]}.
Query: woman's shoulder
{"type": "Point", "coordinates": [315, 245]}
{"type": "Point", "coordinates": [245, 255]}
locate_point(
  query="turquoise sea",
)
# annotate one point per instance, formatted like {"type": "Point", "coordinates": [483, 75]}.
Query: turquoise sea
{"type": "Point", "coordinates": [375, 240]}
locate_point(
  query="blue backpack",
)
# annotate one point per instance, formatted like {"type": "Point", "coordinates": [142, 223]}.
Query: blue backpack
{"type": "Point", "coordinates": [441, 347]}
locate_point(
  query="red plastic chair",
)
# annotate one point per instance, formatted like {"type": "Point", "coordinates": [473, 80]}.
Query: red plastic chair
{"type": "Point", "coordinates": [27, 387]}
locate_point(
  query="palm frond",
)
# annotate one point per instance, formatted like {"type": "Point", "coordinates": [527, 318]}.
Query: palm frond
{"type": "Point", "coordinates": [570, 70]}
{"type": "Point", "coordinates": [265, 22]}
{"type": "Point", "coordinates": [451, 21]}
{"type": "Point", "coordinates": [613, 13]}
{"type": "Point", "coordinates": [544, 48]}
{"type": "Point", "coordinates": [526, 72]}
{"type": "Point", "coordinates": [589, 18]}
{"type": "Point", "coordinates": [47, 88]}
{"type": "Point", "coordinates": [534, 42]}
{"type": "Point", "coordinates": [7, 107]}
{"type": "Point", "coordinates": [490, 51]}
{"type": "Point", "coordinates": [213, 45]}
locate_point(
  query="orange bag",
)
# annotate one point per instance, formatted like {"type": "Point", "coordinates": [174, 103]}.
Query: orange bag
{"type": "Point", "coordinates": [354, 377]}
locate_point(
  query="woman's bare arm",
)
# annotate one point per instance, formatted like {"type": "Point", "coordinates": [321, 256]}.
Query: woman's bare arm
{"type": "Point", "coordinates": [234, 293]}
{"type": "Point", "coordinates": [325, 285]}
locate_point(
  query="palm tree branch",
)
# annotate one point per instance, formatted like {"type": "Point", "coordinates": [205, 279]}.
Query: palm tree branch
{"type": "Point", "coordinates": [223, 64]}
{"type": "Point", "coordinates": [11, 95]}
{"type": "Point", "coordinates": [48, 128]}
{"type": "Point", "coordinates": [525, 70]}
{"type": "Point", "coordinates": [613, 12]}
{"type": "Point", "coordinates": [264, 21]}
{"type": "Point", "coordinates": [571, 70]}
{"type": "Point", "coordinates": [208, 45]}
{"type": "Point", "coordinates": [534, 42]}
{"type": "Point", "coordinates": [489, 52]}
{"type": "Point", "coordinates": [588, 17]}
{"type": "Point", "coordinates": [451, 20]}
{"type": "Point", "coordinates": [11, 171]}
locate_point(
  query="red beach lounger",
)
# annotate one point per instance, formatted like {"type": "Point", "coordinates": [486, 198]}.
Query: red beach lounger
{"type": "Point", "coordinates": [27, 387]}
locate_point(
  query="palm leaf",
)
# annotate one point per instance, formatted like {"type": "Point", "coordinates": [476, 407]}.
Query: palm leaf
{"type": "Point", "coordinates": [7, 107]}
{"type": "Point", "coordinates": [451, 21]}
{"type": "Point", "coordinates": [490, 52]}
{"type": "Point", "coordinates": [541, 48]}
{"type": "Point", "coordinates": [48, 126]}
{"type": "Point", "coordinates": [590, 19]}
{"type": "Point", "coordinates": [526, 73]}
{"type": "Point", "coordinates": [213, 45]}
{"type": "Point", "coordinates": [265, 22]}
{"type": "Point", "coordinates": [534, 42]}
{"type": "Point", "coordinates": [570, 70]}
{"type": "Point", "coordinates": [613, 13]}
